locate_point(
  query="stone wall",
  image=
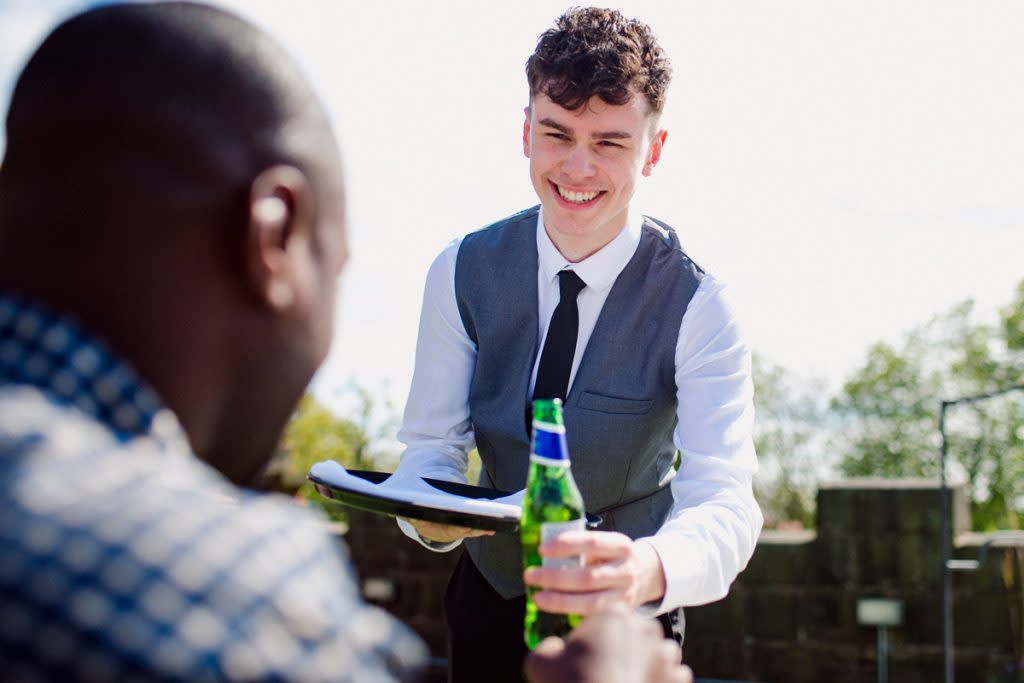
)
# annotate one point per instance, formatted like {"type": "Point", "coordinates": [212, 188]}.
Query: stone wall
{"type": "Point", "coordinates": [791, 616]}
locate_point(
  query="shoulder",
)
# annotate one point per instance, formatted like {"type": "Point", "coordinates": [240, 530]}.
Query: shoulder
{"type": "Point", "coordinates": [488, 238]}
{"type": "Point", "coordinates": [713, 300]}
{"type": "Point", "coordinates": [667, 263]}
{"type": "Point", "coordinates": [524, 217]}
{"type": "Point", "coordinates": [668, 247]}
{"type": "Point", "coordinates": [249, 586]}
{"type": "Point", "coordinates": [36, 428]}
{"type": "Point", "coordinates": [523, 222]}
{"type": "Point", "coordinates": [292, 590]}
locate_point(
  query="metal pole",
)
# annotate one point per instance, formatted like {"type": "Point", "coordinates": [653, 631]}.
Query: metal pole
{"type": "Point", "coordinates": [883, 655]}
{"type": "Point", "coordinates": [947, 573]}
{"type": "Point", "coordinates": [947, 578]}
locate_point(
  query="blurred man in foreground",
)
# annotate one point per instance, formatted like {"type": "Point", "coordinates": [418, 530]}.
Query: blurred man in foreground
{"type": "Point", "coordinates": [171, 234]}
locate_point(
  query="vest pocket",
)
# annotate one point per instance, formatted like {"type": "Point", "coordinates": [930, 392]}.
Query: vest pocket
{"type": "Point", "coordinates": [590, 400]}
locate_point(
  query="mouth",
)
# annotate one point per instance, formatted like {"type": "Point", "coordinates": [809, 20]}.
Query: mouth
{"type": "Point", "coordinates": [576, 198]}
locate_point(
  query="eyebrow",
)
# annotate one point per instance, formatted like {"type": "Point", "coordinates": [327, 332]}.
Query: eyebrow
{"type": "Point", "coordinates": [606, 135]}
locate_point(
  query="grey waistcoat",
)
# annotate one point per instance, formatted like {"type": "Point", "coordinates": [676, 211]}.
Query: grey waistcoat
{"type": "Point", "coordinates": [621, 408]}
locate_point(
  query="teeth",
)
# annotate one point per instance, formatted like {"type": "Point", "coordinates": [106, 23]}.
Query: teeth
{"type": "Point", "coordinates": [576, 197]}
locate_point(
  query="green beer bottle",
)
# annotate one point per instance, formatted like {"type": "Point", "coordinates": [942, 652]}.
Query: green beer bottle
{"type": "Point", "coordinates": [552, 505]}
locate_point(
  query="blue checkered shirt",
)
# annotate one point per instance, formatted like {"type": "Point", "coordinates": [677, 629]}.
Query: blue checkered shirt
{"type": "Point", "coordinates": [124, 557]}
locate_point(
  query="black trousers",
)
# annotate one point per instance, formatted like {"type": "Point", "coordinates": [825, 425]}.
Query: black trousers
{"type": "Point", "coordinates": [485, 631]}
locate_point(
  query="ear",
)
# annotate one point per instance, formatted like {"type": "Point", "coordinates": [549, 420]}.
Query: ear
{"type": "Point", "coordinates": [278, 236]}
{"type": "Point", "coordinates": [654, 153]}
{"type": "Point", "coordinates": [526, 133]}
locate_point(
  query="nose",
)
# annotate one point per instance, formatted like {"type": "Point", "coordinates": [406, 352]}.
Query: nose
{"type": "Point", "coordinates": [578, 163]}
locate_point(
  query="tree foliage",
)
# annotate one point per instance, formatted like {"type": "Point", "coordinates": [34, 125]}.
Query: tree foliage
{"type": "Point", "coordinates": [889, 409]}
{"type": "Point", "coordinates": [790, 416]}
{"type": "Point", "coordinates": [313, 434]}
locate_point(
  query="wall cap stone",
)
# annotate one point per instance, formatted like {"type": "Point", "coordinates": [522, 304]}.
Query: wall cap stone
{"type": "Point", "coordinates": [787, 537]}
{"type": "Point", "coordinates": [998, 539]}
{"type": "Point", "coordinates": [885, 484]}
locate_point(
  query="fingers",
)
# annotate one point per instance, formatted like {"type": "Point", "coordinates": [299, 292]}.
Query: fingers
{"type": "Point", "coordinates": [597, 546]}
{"type": "Point", "coordinates": [678, 674]}
{"type": "Point", "coordinates": [666, 661]}
{"type": "Point", "coordinates": [551, 646]}
{"type": "Point", "coordinates": [652, 630]}
{"type": "Point", "coordinates": [547, 662]}
{"type": "Point", "coordinates": [607, 555]}
{"type": "Point", "coordinates": [667, 653]}
{"type": "Point", "coordinates": [558, 602]}
{"type": "Point", "coordinates": [444, 533]}
{"type": "Point", "coordinates": [473, 533]}
{"type": "Point", "coordinates": [579, 579]}
{"type": "Point", "coordinates": [579, 591]}
{"type": "Point", "coordinates": [615, 645]}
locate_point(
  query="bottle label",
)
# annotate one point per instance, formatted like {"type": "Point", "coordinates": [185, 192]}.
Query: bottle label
{"type": "Point", "coordinates": [549, 443]}
{"type": "Point", "coordinates": [549, 530]}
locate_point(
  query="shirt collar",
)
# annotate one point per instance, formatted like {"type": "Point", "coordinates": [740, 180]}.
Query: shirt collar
{"type": "Point", "coordinates": [600, 269]}
{"type": "Point", "coordinates": [51, 352]}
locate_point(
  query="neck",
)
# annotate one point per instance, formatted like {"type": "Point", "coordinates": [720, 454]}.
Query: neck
{"type": "Point", "coordinates": [576, 247]}
{"type": "Point", "coordinates": [166, 331]}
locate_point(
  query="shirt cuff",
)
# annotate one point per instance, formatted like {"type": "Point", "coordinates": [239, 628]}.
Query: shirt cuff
{"type": "Point", "coordinates": [410, 531]}
{"type": "Point", "coordinates": [683, 576]}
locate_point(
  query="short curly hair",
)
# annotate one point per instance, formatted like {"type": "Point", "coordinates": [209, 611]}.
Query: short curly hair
{"type": "Point", "coordinates": [598, 52]}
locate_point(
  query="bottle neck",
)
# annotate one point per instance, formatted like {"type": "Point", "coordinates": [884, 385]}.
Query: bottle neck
{"type": "Point", "coordinates": [561, 463]}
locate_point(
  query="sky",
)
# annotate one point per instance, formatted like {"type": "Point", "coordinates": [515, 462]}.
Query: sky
{"type": "Point", "coordinates": [849, 169]}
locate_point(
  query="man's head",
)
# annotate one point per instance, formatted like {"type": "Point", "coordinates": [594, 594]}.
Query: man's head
{"type": "Point", "coordinates": [597, 89]}
{"type": "Point", "coordinates": [171, 180]}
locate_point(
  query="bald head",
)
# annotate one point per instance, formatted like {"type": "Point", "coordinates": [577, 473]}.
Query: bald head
{"type": "Point", "coordinates": [171, 181]}
{"type": "Point", "coordinates": [172, 104]}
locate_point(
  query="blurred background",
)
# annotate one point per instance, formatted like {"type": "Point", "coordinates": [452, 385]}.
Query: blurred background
{"type": "Point", "coordinates": [854, 171]}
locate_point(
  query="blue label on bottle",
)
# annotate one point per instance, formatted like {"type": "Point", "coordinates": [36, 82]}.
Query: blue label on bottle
{"type": "Point", "coordinates": [550, 445]}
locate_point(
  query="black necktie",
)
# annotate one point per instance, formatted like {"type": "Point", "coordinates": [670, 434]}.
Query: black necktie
{"type": "Point", "coordinates": [560, 344]}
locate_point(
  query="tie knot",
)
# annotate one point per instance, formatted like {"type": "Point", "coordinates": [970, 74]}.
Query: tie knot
{"type": "Point", "coordinates": [569, 285]}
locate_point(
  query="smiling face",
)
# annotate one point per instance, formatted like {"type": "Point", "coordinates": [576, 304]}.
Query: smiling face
{"type": "Point", "coordinates": [584, 165]}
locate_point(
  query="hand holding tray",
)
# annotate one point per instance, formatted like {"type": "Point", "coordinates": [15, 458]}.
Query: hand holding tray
{"type": "Point", "coordinates": [431, 500]}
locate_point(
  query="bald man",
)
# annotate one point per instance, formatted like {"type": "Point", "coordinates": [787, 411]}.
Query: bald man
{"type": "Point", "coordinates": [171, 233]}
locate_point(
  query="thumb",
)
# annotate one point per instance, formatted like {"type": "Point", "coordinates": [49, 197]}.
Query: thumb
{"type": "Point", "coordinates": [543, 664]}
{"type": "Point", "coordinates": [551, 646]}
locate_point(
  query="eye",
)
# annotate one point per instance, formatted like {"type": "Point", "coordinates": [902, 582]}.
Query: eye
{"type": "Point", "coordinates": [557, 136]}
{"type": "Point", "coordinates": [609, 144]}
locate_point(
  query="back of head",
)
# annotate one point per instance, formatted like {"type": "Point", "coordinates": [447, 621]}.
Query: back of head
{"type": "Point", "coordinates": [595, 52]}
{"type": "Point", "coordinates": [171, 181]}
{"type": "Point", "coordinates": [128, 111]}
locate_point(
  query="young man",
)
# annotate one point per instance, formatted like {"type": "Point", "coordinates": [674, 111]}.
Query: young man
{"type": "Point", "coordinates": [171, 234]}
{"type": "Point", "coordinates": [585, 299]}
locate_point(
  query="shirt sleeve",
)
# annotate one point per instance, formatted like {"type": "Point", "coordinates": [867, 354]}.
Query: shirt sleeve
{"type": "Point", "coordinates": [713, 525]}
{"type": "Point", "coordinates": [436, 427]}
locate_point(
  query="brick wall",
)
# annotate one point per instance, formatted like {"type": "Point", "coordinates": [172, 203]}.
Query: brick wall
{"type": "Point", "coordinates": [791, 616]}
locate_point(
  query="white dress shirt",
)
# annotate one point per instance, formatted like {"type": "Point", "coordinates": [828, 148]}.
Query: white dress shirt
{"type": "Point", "coordinates": [714, 522]}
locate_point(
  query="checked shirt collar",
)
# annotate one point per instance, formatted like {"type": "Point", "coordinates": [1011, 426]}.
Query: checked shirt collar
{"type": "Point", "coordinates": [53, 353]}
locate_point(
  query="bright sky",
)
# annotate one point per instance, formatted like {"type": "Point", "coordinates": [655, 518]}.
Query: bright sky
{"type": "Point", "coordinates": [850, 169]}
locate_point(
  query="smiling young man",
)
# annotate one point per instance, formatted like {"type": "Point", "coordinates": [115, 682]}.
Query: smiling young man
{"type": "Point", "coordinates": [585, 299]}
{"type": "Point", "coordinates": [584, 165]}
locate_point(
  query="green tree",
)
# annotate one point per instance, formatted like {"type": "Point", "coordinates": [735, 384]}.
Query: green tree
{"type": "Point", "coordinates": [890, 409]}
{"type": "Point", "coordinates": [790, 417]}
{"type": "Point", "coordinates": [313, 434]}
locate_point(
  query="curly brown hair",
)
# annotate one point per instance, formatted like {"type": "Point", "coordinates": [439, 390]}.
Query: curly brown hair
{"type": "Point", "coordinates": [598, 52]}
